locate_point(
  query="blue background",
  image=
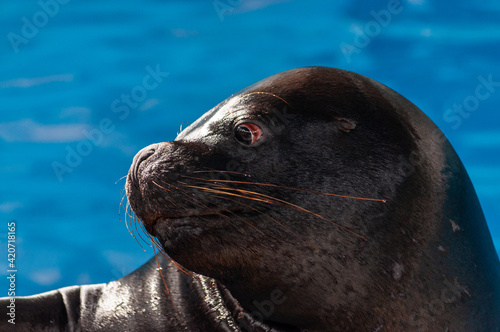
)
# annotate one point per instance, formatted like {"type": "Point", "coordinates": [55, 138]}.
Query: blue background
{"type": "Point", "coordinates": [60, 79]}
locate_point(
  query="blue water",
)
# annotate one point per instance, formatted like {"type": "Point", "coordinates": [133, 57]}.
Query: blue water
{"type": "Point", "coordinates": [60, 75]}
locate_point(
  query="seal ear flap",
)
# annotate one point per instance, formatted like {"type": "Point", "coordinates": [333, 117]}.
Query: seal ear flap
{"type": "Point", "coordinates": [345, 124]}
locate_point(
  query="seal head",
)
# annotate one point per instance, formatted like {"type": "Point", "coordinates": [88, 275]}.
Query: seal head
{"type": "Point", "coordinates": [323, 200]}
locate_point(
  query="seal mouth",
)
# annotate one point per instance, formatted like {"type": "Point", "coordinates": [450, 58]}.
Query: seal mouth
{"type": "Point", "coordinates": [204, 216]}
{"type": "Point", "coordinates": [177, 228]}
{"type": "Point", "coordinates": [196, 219]}
{"type": "Point", "coordinates": [182, 219]}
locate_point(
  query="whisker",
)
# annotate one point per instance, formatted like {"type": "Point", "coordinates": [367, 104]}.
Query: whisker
{"type": "Point", "coordinates": [156, 241]}
{"type": "Point", "coordinates": [157, 245]}
{"type": "Point", "coordinates": [142, 229]}
{"type": "Point", "coordinates": [160, 186]}
{"type": "Point", "coordinates": [216, 171]}
{"type": "Point", "coordinates": [246, 222]}
{"type": "Point", "coordinates": [160, 269]}
{"type": "Point", "coordinates": [121, 178]}
{"type": "Point", "coordinates": [177, 265]}
{"type": "Point", "coordinates": [312, 213]}
{"type": "Point", "coordinates": [276, 221]}
{"type": "Point", "coordinates": [169, 185]}
{"type": "Point", "coordinates": [127, 218]}
{"type": "Point", "coordinates": [126, 213]}
{"type": "Point", "coordinates": [212, 210]}
{"type": "Point", "coordinates": [134, 218]}
{"type": "Point", "coordinates": [180, 128]}
{"type": "Point", "coordinates": [290, 188]}
{"type": "Point", "coordinates": [192, 199]}
{"type": "Point", "coordinates": [226, 193]}
{"type": "Point", "coordinates": [217, 212]}
{"type": "Point", "coordinates": [272, 200]}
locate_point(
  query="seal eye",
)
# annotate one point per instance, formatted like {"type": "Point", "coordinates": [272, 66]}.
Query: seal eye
{"type": "Point", "coordinates": [247, 133]}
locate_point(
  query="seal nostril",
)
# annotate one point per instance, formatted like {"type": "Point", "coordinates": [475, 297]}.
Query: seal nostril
{"type": "Point", "coordinates": [143, 155]}
{"type": "Point", "coordinates": [138, 159]}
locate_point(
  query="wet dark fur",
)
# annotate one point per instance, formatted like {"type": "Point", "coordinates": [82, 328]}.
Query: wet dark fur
{"type": "Point", "coordinates": [256, 219]}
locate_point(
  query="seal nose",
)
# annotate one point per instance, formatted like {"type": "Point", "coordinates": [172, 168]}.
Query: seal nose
{"type": "Point", "coordinates": [138, 159]}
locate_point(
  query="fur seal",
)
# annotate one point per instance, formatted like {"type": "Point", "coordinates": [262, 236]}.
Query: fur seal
{"type": "Point", "coordinates": [314, 200]}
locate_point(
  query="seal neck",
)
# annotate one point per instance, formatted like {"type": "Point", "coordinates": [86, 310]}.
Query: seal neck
{"type": "Point", "coordinates": [226, 310]}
